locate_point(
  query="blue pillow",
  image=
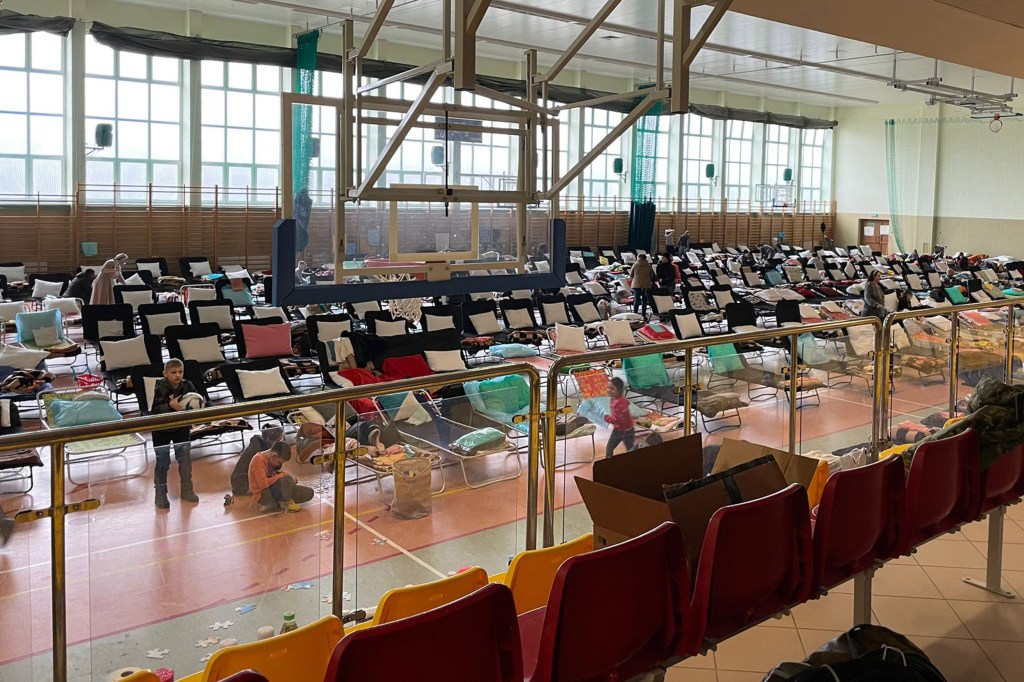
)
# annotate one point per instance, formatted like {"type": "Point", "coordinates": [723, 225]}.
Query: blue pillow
{"type": "Point", "coordinates": [513, 350]}
{"type": "Point", "coordinates": [391, 402]}
{"type": "Point", "coordinates": [724, 358]}
{"type": "Point", "coordinates": [646, 371]}
{"type": "Point", "coordinates": [28, 323]}
{"type": "Point", "coordinates": [239, 299]}
{"type": "Point", "coordinates": [81, 412]}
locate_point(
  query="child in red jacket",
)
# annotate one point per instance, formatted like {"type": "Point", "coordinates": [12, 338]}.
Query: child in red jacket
{"type": "Point", "coordinates": [620, 419]}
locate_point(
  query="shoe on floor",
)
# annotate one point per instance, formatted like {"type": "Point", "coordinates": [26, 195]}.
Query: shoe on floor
{"type": "Point", "coordinates": [190, 496]}
{"type": "Point", "coordinates": [290, 506]}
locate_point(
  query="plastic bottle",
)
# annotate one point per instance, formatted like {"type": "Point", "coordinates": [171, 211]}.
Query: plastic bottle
{"type": "Point", "coordinates": [289, 623]}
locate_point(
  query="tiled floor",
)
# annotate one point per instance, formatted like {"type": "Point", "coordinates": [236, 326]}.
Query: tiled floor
{"type": "Point", "coordinates": [971, 635]}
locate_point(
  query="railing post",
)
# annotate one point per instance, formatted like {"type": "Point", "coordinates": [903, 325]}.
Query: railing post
{"type": "Point", "coordinates": [533, 467]}
{"type": "Point", "coordinates": [688, 392]}
{"type": "Point", "coordinates": [338, 556]}
{"type": "Point", "coordinates": [794, 393]}
{"type": "Point", "coordinates": [1010, 321]}
{"type": "Point", "coordinates": [58, 568]}
{"type": "Point", "coordinates": [883, 385]}
{"type": "Point", "coordinates": [954, 361]}
{"type": "Point", "coordinates": [550, 455]}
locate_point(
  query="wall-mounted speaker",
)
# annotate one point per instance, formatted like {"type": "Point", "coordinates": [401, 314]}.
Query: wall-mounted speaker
{"type": "Point", "coordinates": [617, 166]}
{"type": "Point", "coordinates": [709, 171]}
{"type": "Point", "coordinates": [437, 155]}
{"type": "Point", "coordinates": [787, 175]}
{"type": "Point", "coordinates": [314, 144]}
{"type": "Point", "coordinates": [104, 135]}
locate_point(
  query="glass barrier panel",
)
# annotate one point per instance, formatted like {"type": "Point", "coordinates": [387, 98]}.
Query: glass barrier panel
{"type": "Point", "coordinates": [919, 376]}
{"type": "Point", "coordinates": [26, 646]}
{"type": "Point", "coordinates": [182, 558]}
{"type": "Point", "coordinates": [838, 366]}
{"type": "Point", "coordinates": [435, 484]}
{"type": "Point", "coordinates": [1018, 344]}
{"type": "Point", "coordinates": [981, 351]}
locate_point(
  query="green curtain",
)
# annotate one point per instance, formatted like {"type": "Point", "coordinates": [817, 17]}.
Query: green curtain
{"type": "Point", "coordinates": [302, 136]}
{"type": "Point", "coordinates": [895, 215]}
{"type": "Point", "coordinates": [643, 172]}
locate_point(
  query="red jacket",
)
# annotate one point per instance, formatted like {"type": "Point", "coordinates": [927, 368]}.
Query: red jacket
{"type": "Point", "coordinates": [620, 419]}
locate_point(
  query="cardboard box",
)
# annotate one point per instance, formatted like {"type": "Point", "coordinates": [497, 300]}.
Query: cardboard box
{"type": "Point", "coordinates": [627, 496]}
{"type": "Point", "coordinates": [810, 472]}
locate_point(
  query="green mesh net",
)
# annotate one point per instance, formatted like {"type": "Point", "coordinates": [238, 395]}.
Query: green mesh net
{"type": "Point", "coordinates": [302, 124]}
{"type": "Point", "coordinates": [645, 155]}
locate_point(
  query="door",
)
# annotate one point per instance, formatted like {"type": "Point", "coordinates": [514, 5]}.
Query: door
{"type": "Point", "coordinates": [875, 234]}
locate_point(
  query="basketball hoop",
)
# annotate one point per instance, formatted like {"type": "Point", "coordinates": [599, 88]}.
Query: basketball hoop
{"type": "Point", "coordinates": [996, 125]}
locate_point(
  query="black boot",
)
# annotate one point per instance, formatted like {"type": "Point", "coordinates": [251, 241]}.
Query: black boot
{"type": "Point", "coordinates": [161, 496]}
{"type": "Point", "coordinates": [185, 473]}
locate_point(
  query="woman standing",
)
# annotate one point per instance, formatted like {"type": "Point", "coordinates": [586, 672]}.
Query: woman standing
{"type": "Point", "coordinates": [642, 275]}
{"type": "Point", "coordinates": [874, 297]}
{"type": "Point", "coordinates": [110, 275]}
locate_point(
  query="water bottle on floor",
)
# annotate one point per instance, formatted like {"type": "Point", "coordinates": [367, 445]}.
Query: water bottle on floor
{"type": "Point", "coordinates": [289, 623]}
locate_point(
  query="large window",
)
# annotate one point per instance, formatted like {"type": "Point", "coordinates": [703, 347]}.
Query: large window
{"type": "Point", "coordinates": [739, 160]}
{"type": "Point", "coordinates": [600, 182]}
{"type": "Point", "coordinates": [140, 96]}
{"type": "Point", "coordinates": [777, 145]}
{"type": "Point", "coordinates": [698, 152]}
{"type": "Point", "coordinates": [241, 129]}
{"type": "Point", "coordinates": [489, 163]}
{"type": "Point", "coordinates": [32, 148]}
{"type": "Point", "coordinates": [816, 165]}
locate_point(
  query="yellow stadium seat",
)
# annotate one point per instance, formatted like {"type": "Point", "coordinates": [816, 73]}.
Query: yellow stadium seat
{"type": "Point", "coordinates": [141, 676]}
{"type": "Point", "coordinates": [403, 602]}
{"type": "Point", "coordinates": [307, 649]}
{"type": "Point", "coordinates": [954, 420]}
{"type": "Point", "coordinates": [531, 573]}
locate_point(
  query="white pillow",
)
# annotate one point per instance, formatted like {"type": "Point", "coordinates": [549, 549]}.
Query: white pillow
{"type": "Point", "coordinates": [21, 358]}
{"type": "Point", "coordinates": [105, 328]}
{"type": "Point", "coordinates": [542, 266]}
{"type": "Point", "coordinates": [521, 294]}
{"type": "Point", "coordinates": [137, 298]}
{"type": "Point", "coordinates": [412, 412]}
{"type": "Point", "coordinates": [9, 311]}
{"type": "Point", "coordinates": [238, 274]}
{"type": "Point", "coordinates": [689, 326]}
{"type": "Point", "coordinates": [44, 337]}
{"type": "Point", "coordinates": [619, 333]}
{"type": "Point", "coordinates": [628, 317]}
{"type": "Point", "coordinates": [587, 312]}
{"type": "Point", "coordinates": [445, 360]}
{"type": "Point", "coordinates": [433, 323]}
{"type": "Point", "coordinates": [14, 273]}
{"type": "Point", "coordinates": [263, 312]}
{"type": "Point", "coordinates": [262, 383]}
{"type": "Point", "coordinates": [151, 268]}
{"type": "Point", "coordinates": [67, 306]}
{"type": "Point", "coordinates": [519, 318]}
{"type": "Point", "coordinates": [595, 288]}
{"type": "Point", "coordinates": [573, 277]}
{"type": "Point", "coordinates": [221, 314]}
{"type": "Point", "coordinates": [135, 280]}
{"type": "Point", "coordinates": [150, 385]}
{"type": "Point", "coordinates": [396, 328]}
{"type": "Point", "coordinates": [124, 354]}
{"type": "Point", "coordinates": [555, 313]}
{"type": "Point", "coordinates": [42, 288]}
{"type": "Point", "coordinates": [200, 268]}
{"type": "Point", "coordinates": [158, 324]}
{"type": "Point", "coordinates": [201, 293]}
{"type": "Point", "coordinates": [569, 339]}
{"type": "Point", "coordinates": [485, 323]}
{"type": "Point", "coordinates": [980, 296]}
{"type": "Point", "coordinates": [328, 331]}
{"type": "Point", "coordinates": [360, 309]}
{"type": "Point", "coordinates": [206, 349]}
{"type": "Point", "coordinates": [664, 303]}
{"type": "Point", "coordinates": [5, 414]}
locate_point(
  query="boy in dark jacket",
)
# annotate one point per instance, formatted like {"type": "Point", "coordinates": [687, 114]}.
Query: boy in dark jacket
{"type": "Point", "coordinates": [166, 394]}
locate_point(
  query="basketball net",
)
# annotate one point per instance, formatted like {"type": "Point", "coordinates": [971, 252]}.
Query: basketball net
{"type": "Point", "coordinates": [405, 308]}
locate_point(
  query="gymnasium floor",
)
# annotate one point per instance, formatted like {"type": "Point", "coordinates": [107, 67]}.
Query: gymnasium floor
{"type": "Point", "coordinates": [140, 579]}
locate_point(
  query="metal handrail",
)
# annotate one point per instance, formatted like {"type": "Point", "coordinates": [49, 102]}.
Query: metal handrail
{"type": "Point", "coordinates": [688, 347]}
{"type": "Point", "coordinates": [882, 406]}
{"type": "Point", "coordinates": [57, 439]}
